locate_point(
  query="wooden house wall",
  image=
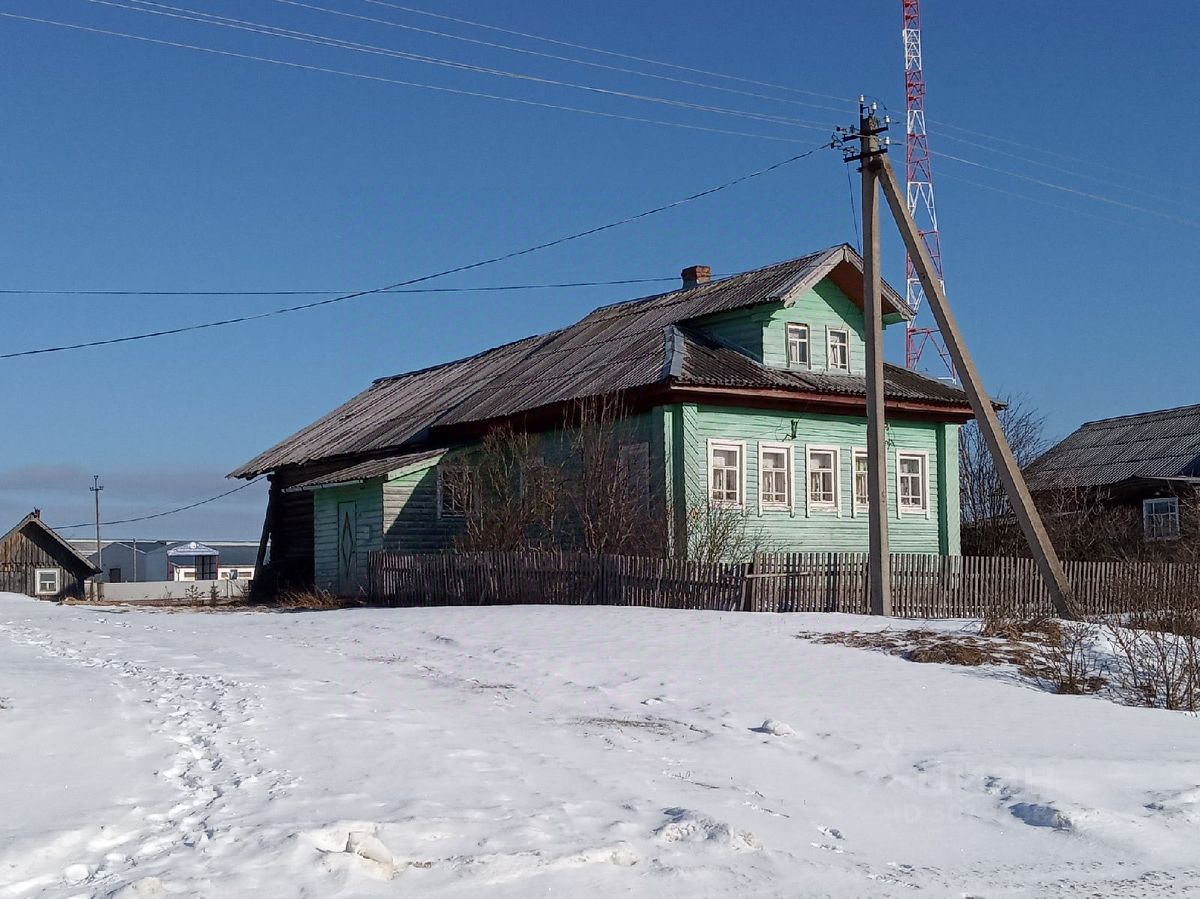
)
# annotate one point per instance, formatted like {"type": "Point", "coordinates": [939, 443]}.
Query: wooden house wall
{"type": "Point", "coordinates": [30, 549]}
{"type": "Point", "coordinates": [368, 501]}
{"type": "Point", "coordinates": [844, 530]}
{"type": "Point", "coordinates": [292, 534]}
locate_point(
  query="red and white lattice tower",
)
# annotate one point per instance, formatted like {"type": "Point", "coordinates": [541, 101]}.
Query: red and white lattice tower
{"type": "Point", "coordinates": [919, 174]}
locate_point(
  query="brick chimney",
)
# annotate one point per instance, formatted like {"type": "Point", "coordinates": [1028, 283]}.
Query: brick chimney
{"type": "Point", "coordinates": [696, 274]}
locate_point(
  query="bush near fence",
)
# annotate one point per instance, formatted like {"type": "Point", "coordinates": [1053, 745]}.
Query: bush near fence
{"type": "Point", "coordinates": [923, 586]}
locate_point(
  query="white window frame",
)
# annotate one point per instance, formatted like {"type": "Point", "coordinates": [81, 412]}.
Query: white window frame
{"type": "Point", "coordinates": [856, 453]}
{"type": "Point", "coordinates": [1147, 516]}
{"type": "Point", "coordinates": [836, 504]}
{"type": "Point", "coordinates": [722, 444]}
{"type": "Point", "coordinates": [807, 341]}
{"type": "Point", "coordinates": [829, 332]}
{"type": "Point", "coordinates": [442, 511]}
{"type": "Point", "coordinates": [37, 581]}
{"type": "Point", "coordinates": [901, 509]}
{"type": "Point", "coordinates": [789, 462]}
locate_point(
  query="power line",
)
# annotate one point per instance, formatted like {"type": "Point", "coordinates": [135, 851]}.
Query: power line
{"type": "Point", "coordinates": [304, 293]}
{"type": "Point", "coordinates": [451, 271]}
{"type": "Point", "coordinates": [1071, 190]}
{"type": "Point", "coordinates": [192, 15]}
{"type": "Point", "coordinates": [203, 502]}
{"type": "Point", "coordinates": [384, 80]}
{"type": "Point", "coordinates": [568, 59]}
{"type": "Point", "coordinates": [629, 56]}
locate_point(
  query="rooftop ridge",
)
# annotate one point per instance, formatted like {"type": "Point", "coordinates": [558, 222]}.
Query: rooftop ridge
{"type": "Point", "coordinates": [1168, 412]}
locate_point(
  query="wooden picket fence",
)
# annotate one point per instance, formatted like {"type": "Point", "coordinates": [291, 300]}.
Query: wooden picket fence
{"type": "Point", "coordinates": [923, 586]}
{"type": "Point", "coordinates": [554, 577]}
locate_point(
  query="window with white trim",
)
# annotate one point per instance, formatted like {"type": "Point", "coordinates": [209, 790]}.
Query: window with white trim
{"type": "Point", "coordinates": [839, 349]}
{"type": "Point", "coordinates": [1160, 518]}
{"type": "Point", "coordinates": [797, 345]}
{"type": "Point", "coordinates": [456, 489]}
{"type": "Point", "coordinates": [912, 482]}
{"type": "Point", "coordinates": [725, 468]}
{"type": "Point", "coordinates": [775, 476]}
{"type": "Point", "coordinates": [47, 581]}
{"type": "Point", "coordinates": [862, 493]}
{"type": "Point", "coordinates": [822, 477]}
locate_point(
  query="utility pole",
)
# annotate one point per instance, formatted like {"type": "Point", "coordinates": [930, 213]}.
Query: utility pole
{"type": "Point", "coordinates": [870, 151]}
{"type": "Point", "coordinates": [96, 488]}
{"type": "Point", "coordinates": [1055, 579]}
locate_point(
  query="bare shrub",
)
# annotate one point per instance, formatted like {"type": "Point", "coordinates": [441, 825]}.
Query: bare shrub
{"type": "Point", "coordinates": [717, 533]}
{"type": "Point", "coordinates": [1071, 663]}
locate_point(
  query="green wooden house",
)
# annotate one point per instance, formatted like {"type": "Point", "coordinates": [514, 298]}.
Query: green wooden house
{"type": "Point", "coordinates": [746, 391]}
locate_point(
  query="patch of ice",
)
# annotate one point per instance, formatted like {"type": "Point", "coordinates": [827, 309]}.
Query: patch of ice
{"type": "Point", "coordinates": [1037, 814]}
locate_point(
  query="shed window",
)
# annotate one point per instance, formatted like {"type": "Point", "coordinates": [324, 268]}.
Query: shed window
{"type": "Point", "coordinates": [725, 468]}
{"type": "Point", "coordinates": [912, 485]}
{"type": "Point", "coordinates": [775, 475]}
{"type": "Point", "coordinates": [456, 489]}
{"type": "Point", "coordinates": [797, 345]}
{"type": "Point", "coordinates": [1160, 518]}
{"type": "Point", "coordinates": [822, 477]}
{"type": "Point", "coordinates": [839, 349]}
{"type": "Point", "coordinates": [48, 580]}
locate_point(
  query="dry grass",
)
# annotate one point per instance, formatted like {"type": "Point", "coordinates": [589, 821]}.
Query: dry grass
{"type": "Point", "coordinates": [314, 600]}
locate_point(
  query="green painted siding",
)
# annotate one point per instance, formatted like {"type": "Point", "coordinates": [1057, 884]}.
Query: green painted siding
{"type": "Point", "coordinates": [368, 500]}
{"type": "Point", "coordinates": [822, 308]}
{"type": "Point", "coordinates": [810, 530]}
{"type": "Point", "coordinates": [740, 328]}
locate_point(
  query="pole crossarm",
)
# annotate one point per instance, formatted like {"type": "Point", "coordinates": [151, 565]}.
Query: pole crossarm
{"type": "Point", "coordinates": [1015, 488]}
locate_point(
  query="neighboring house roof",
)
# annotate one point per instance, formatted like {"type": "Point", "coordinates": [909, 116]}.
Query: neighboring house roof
{"type": "Point", "coordinates": [615, 348]}
{"type": "Point", "coordinates": [1150, 446]}
{"type": "Point", "coordinates": [70, 553]}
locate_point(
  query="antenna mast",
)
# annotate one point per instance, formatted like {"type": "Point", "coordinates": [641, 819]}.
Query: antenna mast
{"type": "Point", "coordinates": [919, 195]}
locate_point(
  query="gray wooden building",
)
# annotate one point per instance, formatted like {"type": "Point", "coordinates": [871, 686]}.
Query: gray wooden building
{"type": "Point", "coordinates": [36, 561]}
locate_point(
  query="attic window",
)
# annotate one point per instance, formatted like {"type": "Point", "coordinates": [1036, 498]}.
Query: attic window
{"type": "Point", "coordinates": [797, 345]}
{"type": "Point", "coordinates": [1160, 518]}
{"type": "Point", "coordinates": [839, 349]}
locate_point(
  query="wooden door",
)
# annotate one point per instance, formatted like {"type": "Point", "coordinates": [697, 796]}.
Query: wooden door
{"type": "Point", "coordinates": [347, 549]}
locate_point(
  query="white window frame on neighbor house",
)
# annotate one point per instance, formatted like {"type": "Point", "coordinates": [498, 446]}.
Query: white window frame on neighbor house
{"type": "Point", "coordinates": [923, 458]}
{"type": "Point", "coordinates": [738, 446]}
{"type": "Point", "coordinates": [443, 511]}
{"type": "Point", "coordinates": [859, 503]}
{"type": "Point", "coordinates": [829, 332]}
{"type": "Point", "coordinates": [1153, 521]}
{"type": "Point", "coordinates": [835, 504]}
{"type": "Point", "coordinates": [54, 573]}
{"type": "Point", "coordinates": [789, 472]}
{"type": "Point", "coordinates": [799, 333]}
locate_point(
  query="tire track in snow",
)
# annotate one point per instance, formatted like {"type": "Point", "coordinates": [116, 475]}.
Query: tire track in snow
{"type": "Point", "coordinates": [205, 716]}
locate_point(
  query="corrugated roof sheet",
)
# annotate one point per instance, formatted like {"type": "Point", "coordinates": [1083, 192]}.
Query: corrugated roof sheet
{"type": "Point", "coordinates": [373, 468]}
{"type": "Point", "coordinates": [611, 349]}
{"type": "Point", "coordinates": [1163, 444]}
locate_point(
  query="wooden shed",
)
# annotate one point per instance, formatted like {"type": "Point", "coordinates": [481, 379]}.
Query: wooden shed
{"type": "Point", "coordinates": [36, 561]}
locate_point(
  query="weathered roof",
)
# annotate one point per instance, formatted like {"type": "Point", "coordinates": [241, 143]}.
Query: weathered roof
{"type": "Point", "coordinates": [373, 468]}
{"type": "Point", "coordinates": [70, 552]}
{"type": "Point", "coordinates": [1150, 445]}
{"type": "Point", "coordinates": [614, 348]}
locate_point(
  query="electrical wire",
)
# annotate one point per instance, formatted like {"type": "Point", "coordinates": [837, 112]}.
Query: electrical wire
{"type": "Point", "coordinates": [305, 293]}
{"type": "Point", "coordinates": [203, 502]}
{"type": "Point", "coordinates": [450, 271]}
{"type": "Point", "coordinates": [614, 53]}
{"type": "Point", "coordinates": [384, 80]}
{"type": "Point", "coordinates": [558, 58]}
{"type": "Point", "coordinates": [192, 15]}
{"type": "Point", "coordinates": [1071, 190]}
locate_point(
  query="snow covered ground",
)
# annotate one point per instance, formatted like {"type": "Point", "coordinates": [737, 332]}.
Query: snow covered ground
{"type": "Point", "coordinates": [574, 751]}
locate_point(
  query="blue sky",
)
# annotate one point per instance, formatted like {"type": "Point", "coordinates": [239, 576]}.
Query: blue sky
{"type": "Point", "coordinates": [138, 166]}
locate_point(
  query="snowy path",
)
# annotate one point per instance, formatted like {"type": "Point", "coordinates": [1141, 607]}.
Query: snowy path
{"type": "Point", "coordinates": [576, 751]}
